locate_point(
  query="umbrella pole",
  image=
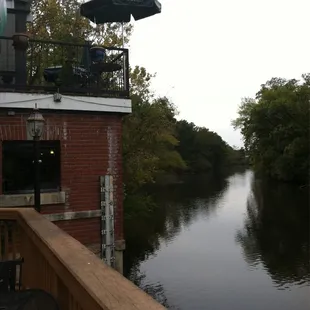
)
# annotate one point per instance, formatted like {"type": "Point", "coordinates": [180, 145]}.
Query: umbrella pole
{"type": "Point", "coordinates": [123, 38]}
{"type": "Point", "coordinates": [124, 60]}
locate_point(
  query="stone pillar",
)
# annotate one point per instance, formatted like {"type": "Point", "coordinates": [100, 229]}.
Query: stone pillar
{"type": "Point", "coordinates": [119, 251]}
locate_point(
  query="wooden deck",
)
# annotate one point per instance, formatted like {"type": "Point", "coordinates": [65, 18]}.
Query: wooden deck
{"type": "Point", "coordinates": [59, 264]}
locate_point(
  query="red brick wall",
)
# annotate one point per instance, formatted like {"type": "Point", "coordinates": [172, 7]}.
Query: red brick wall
{"type": "Point", "coordinates": [82, 229]}
{"type": "Point", "coordinates": [90, 147]}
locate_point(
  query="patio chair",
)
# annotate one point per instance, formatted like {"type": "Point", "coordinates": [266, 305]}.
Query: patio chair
{"type": "Point", "coordinates": [11, 295]}
{"type": "Point", "coordinates": [11, 275]}
{"type": "Point", "coordinates": [78, 73]}
{"type": "Point", "coordinates": [87, 71]}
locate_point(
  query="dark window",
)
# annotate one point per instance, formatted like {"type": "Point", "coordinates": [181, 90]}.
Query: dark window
{"type": "Point", "coordinates": [18, 167]}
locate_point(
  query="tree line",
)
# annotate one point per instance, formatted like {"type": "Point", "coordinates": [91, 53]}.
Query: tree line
{"type": "Point", "coordinates": [275, 128]}
{"type": "Point", "coordinates": [154, 141]}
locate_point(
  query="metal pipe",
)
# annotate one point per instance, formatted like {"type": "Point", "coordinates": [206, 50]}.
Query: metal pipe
{"type": "Point", "coordinates": [37, 194]}
{"type": "Point", "coordinates": [108, 242]}
{"type": "Point", "coordinates": [124, 59]}
{"type": "Point", "coordinates": [102, 222]}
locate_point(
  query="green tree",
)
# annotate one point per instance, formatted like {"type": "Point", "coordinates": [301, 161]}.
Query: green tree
{"type": "Point", "coordinates": [237, 157]}
{"type": "Point", "coordinates": [61, 21]}
{"type": "Point", "coordinates": [149, 142]}
{"type": "Point", "coordinates": [275, 128]}
{"type": "Point", "coordinates": [202, 149]}
{"type": "Point", "coordinates": [140, 84]}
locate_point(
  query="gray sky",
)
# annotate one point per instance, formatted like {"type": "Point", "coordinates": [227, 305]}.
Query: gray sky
{"type": "Point", "coordinates": [215, 52]}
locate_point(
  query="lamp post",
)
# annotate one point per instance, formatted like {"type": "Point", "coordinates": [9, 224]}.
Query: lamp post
{"type": "Point", "coordinates": [35, 127]}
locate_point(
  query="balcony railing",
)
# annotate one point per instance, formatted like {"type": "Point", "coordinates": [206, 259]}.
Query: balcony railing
{"type": "Point", "coordinates": [60, 265]}
{"type": "Point", "coordinates": [72, 69]}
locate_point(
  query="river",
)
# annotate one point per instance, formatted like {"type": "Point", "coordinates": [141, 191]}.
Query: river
{"type": "Point", "coordinates": [223, 243]}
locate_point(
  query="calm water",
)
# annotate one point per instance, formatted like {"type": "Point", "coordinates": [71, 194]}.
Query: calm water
{"type": "Point", "coordinates": [225, 243]}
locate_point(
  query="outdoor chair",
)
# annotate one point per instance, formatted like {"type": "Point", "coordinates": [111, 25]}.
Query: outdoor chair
{"type": "Point", "coordinates": [93, 63]}
{"type": "Point", "coordinates": [10, 275]}
{"type": "Point", "coordinates": [11, 295]}
{"type": "Point", "coordinates": [78, 73]}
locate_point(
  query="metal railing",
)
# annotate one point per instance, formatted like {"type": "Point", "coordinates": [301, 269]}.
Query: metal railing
{"type": "Point", "coordinates": [68, 68]}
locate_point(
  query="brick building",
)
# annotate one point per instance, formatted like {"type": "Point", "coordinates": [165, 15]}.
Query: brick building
{"type": "Point", "coordinates": [82, 137]}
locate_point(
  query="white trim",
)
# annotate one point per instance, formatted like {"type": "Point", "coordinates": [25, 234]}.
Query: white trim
{"type": "Point", "coordinates": [46, 102]}
{"type": "Point", "coordinates": [71, 215]}
{"type": "Point", "coordinates": [27, 200]}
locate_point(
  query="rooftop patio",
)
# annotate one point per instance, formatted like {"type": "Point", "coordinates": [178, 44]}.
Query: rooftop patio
{"type": "Point", "coordinates": [38, 66]}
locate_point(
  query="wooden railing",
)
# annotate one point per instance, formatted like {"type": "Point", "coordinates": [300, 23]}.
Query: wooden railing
{"type": "Point", "coordinates": [59, 264]}
{"type": "Point", "coordinates": [9, 240]}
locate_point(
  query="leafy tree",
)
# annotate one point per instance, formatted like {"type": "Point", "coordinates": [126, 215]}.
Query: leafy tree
{"type": "Point", "coordinates": [202, 149]}
{"type": "Point", "coordinates": [140, 84]}
{"type": "Point", "coordinates": [149, 141]}
{"type": "Point", "coordinates": [275, 128]}
{"type": "Point", "coordinates": [61, 20]}
{"type": "Point", "coordinates": [237, 157]}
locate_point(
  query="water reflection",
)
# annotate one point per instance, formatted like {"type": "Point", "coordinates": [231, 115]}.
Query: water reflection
{"type": "Point", "coordinates": [222, 242]}
{"type": "Point", "coordinates": [156, 290]}
{"type": "Point", "coordinates": [276, 232]}
{"type": "Point", "coordinates": [177, 206]}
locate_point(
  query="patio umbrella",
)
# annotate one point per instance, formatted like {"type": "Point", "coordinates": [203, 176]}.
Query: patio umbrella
{"type": "Point", "coordinates": [105, 11]}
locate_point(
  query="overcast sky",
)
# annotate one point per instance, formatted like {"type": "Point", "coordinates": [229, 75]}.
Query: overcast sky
{"type": "Point", "coordinates": [210, 54]}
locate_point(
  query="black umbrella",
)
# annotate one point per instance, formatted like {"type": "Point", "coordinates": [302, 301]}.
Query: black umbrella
{"type": "Point", "coordinates": [105, 11]}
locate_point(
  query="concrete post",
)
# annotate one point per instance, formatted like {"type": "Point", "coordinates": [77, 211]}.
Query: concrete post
{"type": "Point", "coordinates": [119, 252]}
